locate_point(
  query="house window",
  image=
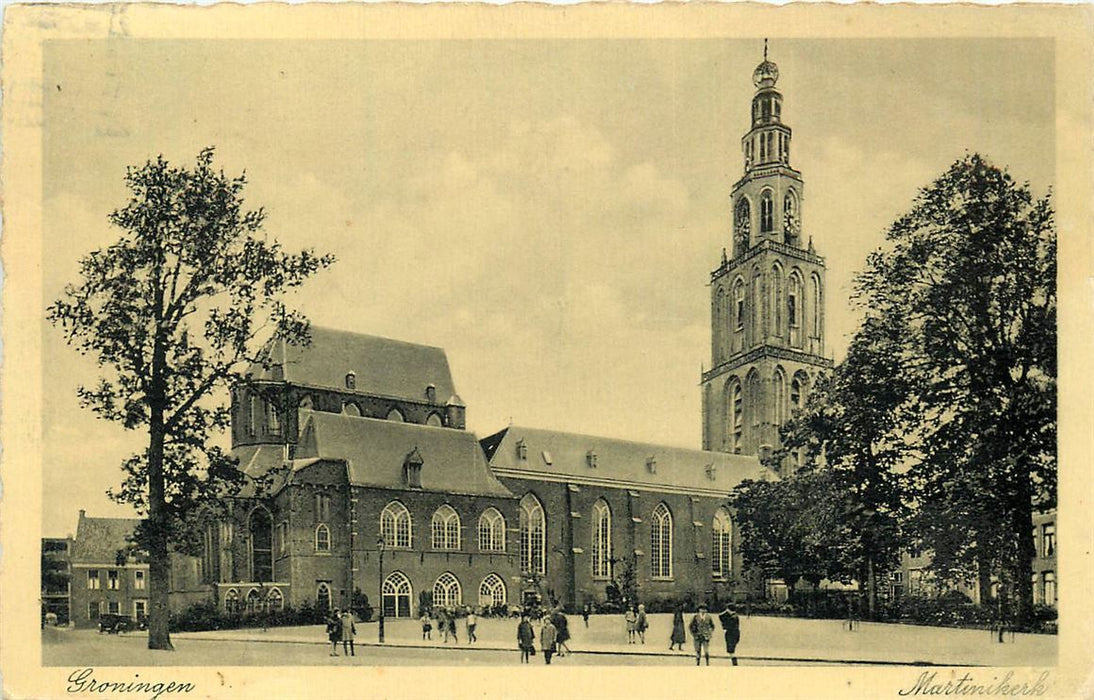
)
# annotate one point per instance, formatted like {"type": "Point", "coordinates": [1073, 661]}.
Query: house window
{"type": "Point", "coordinates": [1035, 584]}
{"type": "Point", "coordinates": [114, 607]}
{"type": "Point", "coordinates": [1048, 540]}
{"type": "Point", "coordinates": [492, 592]}
{"type": "Point", "coordinates": [138, 580]}
{"type": "Point", "coordinates": [93, 610]}
{"type": "Point", "coordinates": [602, 540]}
{"type": "Point", "coordinates": [721, 552]}
{"type": "Point", "coordinates": [446, 591]}
{"type": "Point", "coordinates": [491, 531]}
{"type": "Point", "coordinates": [446, 528]}
{"type": "Point", "coordinates": [140, 609]}
{"type": "Point", "coordinates": [661, 543]}
{"type": "Point", "coordinates": [1049, 580]}
{"type": "Point", "coordinates": [322, 538]}
{"type": "Point", "coordinates": [112, 580]}
{"type": "Point", "coordinates": [322, 507]}
{"type": "Point", "coordinates": [93, 583]}
{"type": "Point", "coordinates": [395, 525]}
{"type": "Point", "coordinates": [532, 535]}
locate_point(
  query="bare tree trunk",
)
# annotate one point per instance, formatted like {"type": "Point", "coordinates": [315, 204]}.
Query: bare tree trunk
{"type": "Point", "coordinates": [871, 588]}
{"type": "Point", "coordinates": [159, 566]}
{"type": "Point", "coordinates": [1023, 566]}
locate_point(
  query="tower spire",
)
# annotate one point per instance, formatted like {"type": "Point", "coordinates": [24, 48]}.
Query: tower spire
{"type": "Point", "coordinates": [765, 48]}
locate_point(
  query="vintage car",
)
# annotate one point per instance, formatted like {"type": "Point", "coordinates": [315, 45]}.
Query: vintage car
{"type": "Point", "coordinates": [112, 623]}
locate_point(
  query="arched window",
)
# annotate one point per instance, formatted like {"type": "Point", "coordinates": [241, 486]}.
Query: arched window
{"type": "Point", "coordinates": [395, 525]}
{"type": "Point", "coordinates": [790, 218]}
{"type": "Point", "coordinates": [776, 299]}
{"type": "Point", "coordinates": [261, 530]}
{"type": "Point", "coordinates": [491, 531]}
{"type": "Point", "coordinates": [755, 407]}
{"type": "Point", "coordinates": [602, 540]}
{"type": "Point", "coordinates": [739, 305]}
{"type": "Point", "coordinates": [252, 414]}
{"type": "Point", "coordinates": [737, 417]}
{"type": "Point", "coordinates": [793, 301]}
{"type": "Point", "coordinates": [492, 591]}
{"type": "Point", "coordinates": [661, 543]}
{"type": "Point", "coordinates": [322, 538]}
{"type": "Point", "coordinates": [756, 302]}
{"type": "Point", "coordinates": [231, 601]}
{"type": "Point", "coordinates": [816, 308]}
{"type": "Point", "coordinates": [254, 602]}
{"type": "Point", "coordinates": [742, 225]}
{"type": "Point", "coordinates": [395, 595]}
{"type": "Point", "coordinates": [395, 415]}
{"type": "Point", "coordinates": [446, 591]}
{"type": "Point", "coordinates": [446, 528]}
{"type": "Point", "coordinates": [767, 212]}
{"type": "Point", "coordinates": [721, 552]}
{"type": "Point", "coordinates": [275, 600]}
{"type": "Point", "coordinates": [778, 389]}
{"type": "Point", "coordinates": [322, 597]}
{"type": "Point", "coordinates": [533, 528]}
{"type": "Point", "coordinates": [434, 420]}
{"type": "Point", "coordinates": [351, 409]}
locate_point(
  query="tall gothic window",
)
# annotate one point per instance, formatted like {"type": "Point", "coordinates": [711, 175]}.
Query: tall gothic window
{"type": "Point", "coordinates": [778, 387]}
{"type": "Point", "coordinates": [395, 525]}
{"type": "Point", "coordinates": [767, 212]}
{"type": "Point", "coordinates": [776, 299]}
{"type": "Point", "coordinates": [446, 528]}
{"type": "Point", "coordinates": [756, 302]}
{"type": "Point", "coordinates": [533, 528]}
{"type": "Point", "coordinates": [446, 591]}
{"type": "Point", "coordinates": [491, 531]}
{"type": "Point", "coordinates": [721, 553]}
{"type": "Point", "coordinates": [816, 306]}
{"type": "Point", "coordinates": [738, 420]}
{"type": "Point", "coordinates": [661, 543]}
{"type": "Point", "coordinates": [322, 538]}
{"type": "Point", "coordinates": [742, 225]}
{"type": "Point", "coordinates": [261, 529]}
{"type": "Point", "coordinates": [790, 218]}
{"type": "Point", "coordinates": [602, 540]}
{"type": "Point", "coordinates": [738, 306]}
{"type": "Point", "coordinates": [755, 404]}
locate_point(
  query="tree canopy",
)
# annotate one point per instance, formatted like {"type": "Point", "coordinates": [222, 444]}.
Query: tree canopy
{"type": "Point", "coordinates": [173, 312]}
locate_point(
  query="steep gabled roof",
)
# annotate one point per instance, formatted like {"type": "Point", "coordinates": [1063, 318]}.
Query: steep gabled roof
{"type": "Point", "coordinates": [99, 539]}
{"type": "Point", "coordinates": [375, 450]}
{"type": "Point", "coordinates": [552, 455]}
{"type": "Point", "coordinates": [382, 367]}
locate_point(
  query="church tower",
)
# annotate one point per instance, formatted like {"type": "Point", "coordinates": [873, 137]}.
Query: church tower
{"type": "Point", "coordinates": [767, 298]}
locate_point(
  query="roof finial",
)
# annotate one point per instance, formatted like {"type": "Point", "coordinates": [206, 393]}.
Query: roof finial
{"type": "Point", "coordinates": [765, 48]}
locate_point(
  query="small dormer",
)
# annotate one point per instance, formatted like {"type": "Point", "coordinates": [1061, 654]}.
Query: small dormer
{"type": "Point", "coordinates": [431, 393]}
{"type": "Point", "coordinates": [351, 380]}
{"type": "Point", "coordinates": [522, 450]}
{"type": "Point", "coordinates": [712, 471]}
{"type": "Point", "coordinates": [590, 459]}
{"type": "Point", "coordinates": [412, 469]}
{"type": "Point", "coordinates": [651, 464]}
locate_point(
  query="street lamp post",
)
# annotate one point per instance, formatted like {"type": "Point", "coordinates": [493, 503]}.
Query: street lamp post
{"type": "Point", "coordinates": [380, 546]}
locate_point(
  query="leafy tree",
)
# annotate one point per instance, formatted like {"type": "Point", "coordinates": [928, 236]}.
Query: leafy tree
{"type": "Point", "coordinates": [173, 312]}
{"type": "Point", "coordinates": [970, 275]}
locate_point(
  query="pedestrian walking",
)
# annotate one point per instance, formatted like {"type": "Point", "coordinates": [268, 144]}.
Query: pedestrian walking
{"type": "Point", "coordinates": [585, 614]}
{"type": "Point", "coordinates": [349, 631]}
{"type": "Point", "coordinates": [427, 626]}
{"type": "Point", "coordinates": [525, 639]}
{"type": "Point", "coordinates": [630, 617]}
{"type": "Point", "coordinates": [731, 625]}
{"type": "Point", "coordinates": [548, 636]}
{"type": "Point", "coordinates": [702, 627]}
{"type": "Point", "coordinates": [641, 623]}
{"type": "Point", "coordinates": [562, 631]}
{"type": "Point", "coordinates": [678, 635]}
{"type": "Point", "coordinates": [334, 631]}
{"type": "Point", "coordinates": [472, 622]}
{"type": "Point", "coordinates": [451, 615]}
{"type": "Point", "coordinates": [442, 624]}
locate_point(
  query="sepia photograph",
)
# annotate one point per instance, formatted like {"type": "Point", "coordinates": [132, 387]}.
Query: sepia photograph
{"type": "Point", "coordinates": [656, 350]}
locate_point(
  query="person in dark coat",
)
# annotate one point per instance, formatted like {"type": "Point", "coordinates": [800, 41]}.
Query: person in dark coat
{"type": "Point", "coordinates": [641, 623]}
{"type": "Point", "coordinates": [562, 629]}
{"type": "Point", "coordinates": [526, 638]}
{"type": "Point", "coordinates": [450, 617]}
{"type": "Point", "coordinates": [731, 625]}
{"type": "Point", "coordinates": [678, 635]}
{"type": "Point", "coordinates": [334, 631]}
{"type": "Point", "coordinates": [585, 614]}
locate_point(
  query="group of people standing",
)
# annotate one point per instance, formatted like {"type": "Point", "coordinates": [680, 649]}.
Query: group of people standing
{"type": "Point", "coordinates": [702, 629]}
{"type": "Point", "coordinates": [341, 627]}
{"type": "Point", "coordinates": [445, 621]}
{"type": "Point", "coordinates": [554, 633]}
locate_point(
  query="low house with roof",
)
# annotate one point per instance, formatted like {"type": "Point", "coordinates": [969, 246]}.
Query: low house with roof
{"type": "Point", "coordinates": [106, 574]}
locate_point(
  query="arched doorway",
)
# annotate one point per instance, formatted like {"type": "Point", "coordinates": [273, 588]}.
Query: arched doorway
{"type": "Point", "coordinates": [395, 595]}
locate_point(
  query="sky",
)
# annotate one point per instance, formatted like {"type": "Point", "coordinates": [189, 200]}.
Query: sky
{"type": "Point", "coordinates": [548, 211]}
